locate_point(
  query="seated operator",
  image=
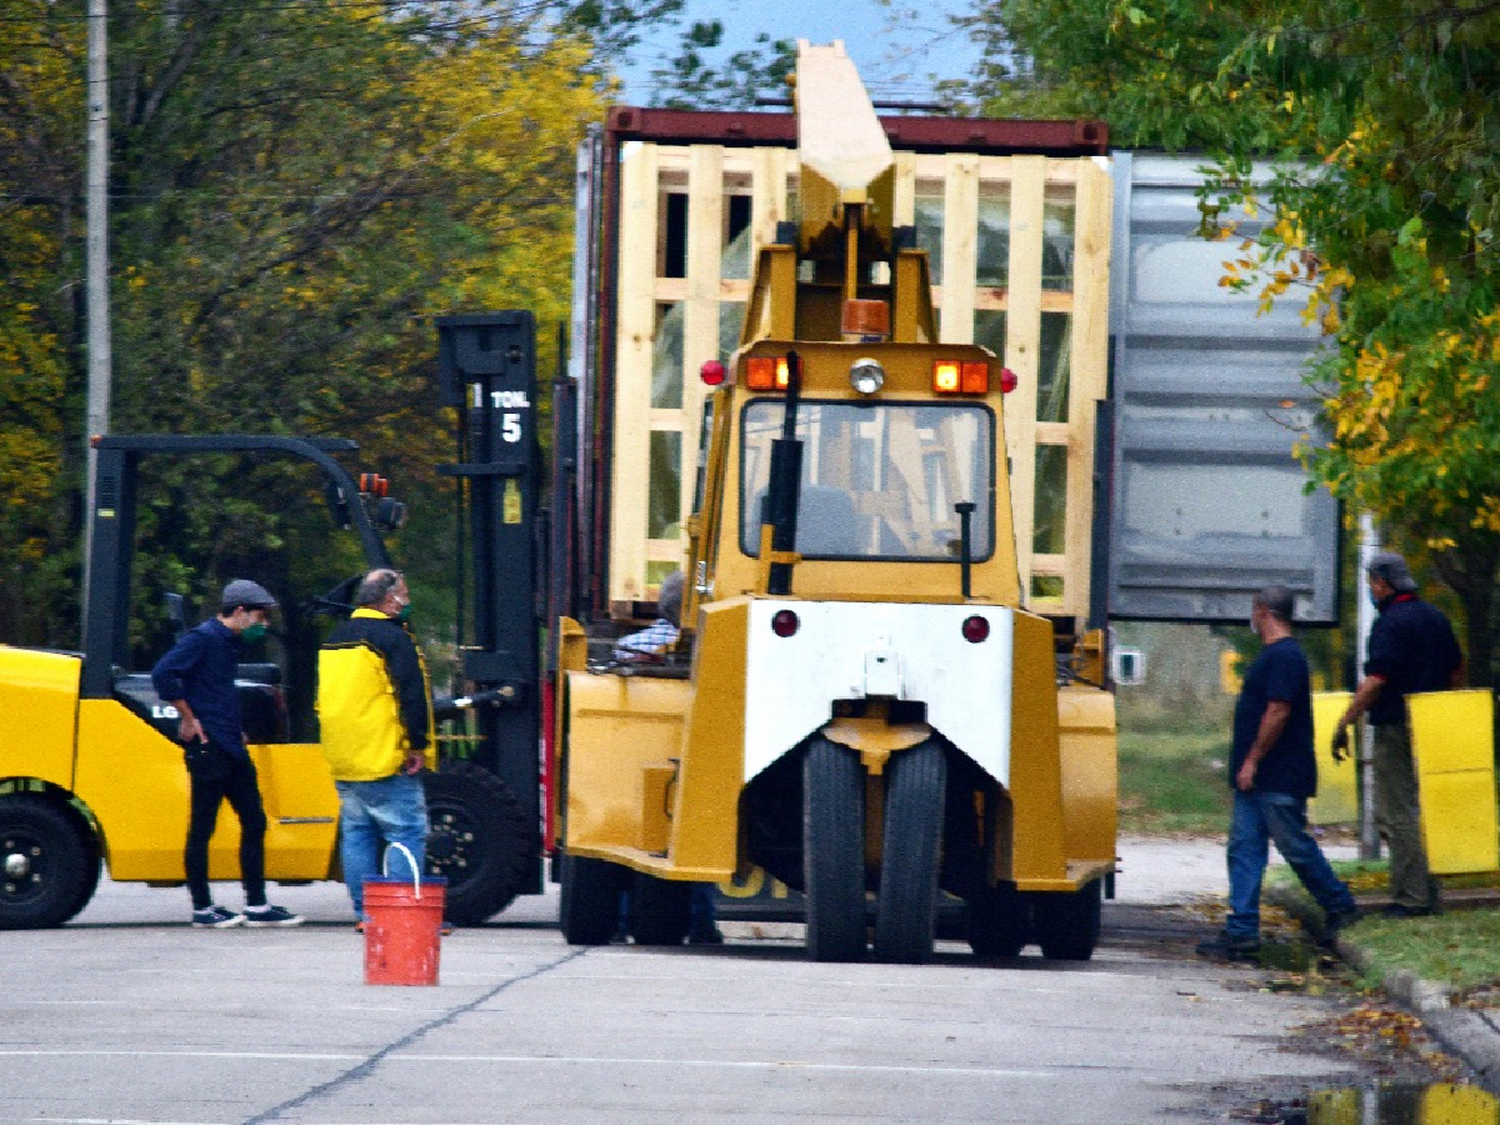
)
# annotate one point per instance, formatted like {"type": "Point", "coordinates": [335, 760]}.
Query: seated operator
{"type": "Point", "coordinates": [651, 644]}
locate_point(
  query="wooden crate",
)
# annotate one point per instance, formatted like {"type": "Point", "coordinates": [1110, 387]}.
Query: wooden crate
{"type": "Point", "coordinates": [1023, 236]}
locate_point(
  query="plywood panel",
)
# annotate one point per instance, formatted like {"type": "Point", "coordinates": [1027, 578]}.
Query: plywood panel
{"type": "Point", "coordinates": [1090, 346]}
{"type": "Point", "coordinates": [960, 230]}
{"type": "Point", "coordinates": [1023, 345]}
{"type": "Point", "coordinates": [634, 336]}
{"type": "Point", "coordinates": [706, 209]}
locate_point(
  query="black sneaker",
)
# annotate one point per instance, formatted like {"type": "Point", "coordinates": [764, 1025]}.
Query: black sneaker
{"type": "Point", "coordinates": [271, 916]}
{"type": "Point", "coordinates": [1341, 919]}
{"type": "Point", "coordinates": [1227, 947]}
{"type": "Point", "coordinates": [706, 935]}
{"type": "Point", "coordinates": [216, 918]}
{"type": "Point", "coordinates": [1401, 910]}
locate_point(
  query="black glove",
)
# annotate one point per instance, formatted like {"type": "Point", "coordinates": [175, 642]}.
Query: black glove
{"type": "Point", "coordinates": [1340, 744]}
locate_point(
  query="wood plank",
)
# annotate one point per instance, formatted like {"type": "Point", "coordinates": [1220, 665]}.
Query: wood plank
{"type": "Point", "coordinates": [705, 251]}
{"type": "Point", "coordinates": [634, 337]}
{"type": "Point", "coordinates": [904, 191]}
{"type": "Point", "coordinates": [1023, 345]}
{"type": "Point", "coordinates": [960, 236]}
{"type": "Point", "coordinates": [1090, 339]}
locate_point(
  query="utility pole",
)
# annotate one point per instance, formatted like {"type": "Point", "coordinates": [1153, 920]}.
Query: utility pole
{"type": "Point", "coordinates": [1369, 837]}
{"type": "Point", "coordinates": [96, 263]}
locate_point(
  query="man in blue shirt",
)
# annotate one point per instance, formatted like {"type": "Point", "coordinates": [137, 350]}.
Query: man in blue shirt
{"type": "Point", "coordinates": [1273, 772]}
{"type": "Point", "coordinates": [197, 678]}
{"type": "Point", "coordinates": [1412, 649]}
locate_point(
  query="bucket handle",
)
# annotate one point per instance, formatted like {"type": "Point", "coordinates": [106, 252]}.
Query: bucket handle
{"type": "Point", "coordinates": [411, 861]}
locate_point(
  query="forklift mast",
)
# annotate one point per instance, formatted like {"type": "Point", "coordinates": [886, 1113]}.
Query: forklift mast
{"type": "Point", "coordinates": [107, 621]}
{"type": "Point", "coordinates": [487, 369]}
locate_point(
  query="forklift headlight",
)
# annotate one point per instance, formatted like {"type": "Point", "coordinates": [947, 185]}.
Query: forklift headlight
{"type": "Point", "coordinates": [866, 376]}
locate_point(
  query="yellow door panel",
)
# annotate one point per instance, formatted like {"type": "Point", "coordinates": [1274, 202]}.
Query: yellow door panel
{"type": "Point", "coordinates": [1337, 801]}
{"type": "Point", "coordinates": [132, 778]}
{"type": "Point", "coordinates": [42, 687]}
{"type": "Point", "coordinates": [1452, 738]}
{"type": "Point", "coordinates": [617, 726]}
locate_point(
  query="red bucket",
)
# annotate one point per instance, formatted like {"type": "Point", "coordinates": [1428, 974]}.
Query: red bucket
{"type": "Point", "coordinates": [403, 928]}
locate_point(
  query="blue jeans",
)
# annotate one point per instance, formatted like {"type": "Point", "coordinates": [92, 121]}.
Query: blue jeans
{"type": "Point", "coordinates": [1260, 817]}
{"type": "Point", "coordinates": [373, 815]}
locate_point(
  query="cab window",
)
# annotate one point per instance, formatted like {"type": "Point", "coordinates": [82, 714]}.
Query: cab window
{"type": "Point", "coordinates": [879, 480]}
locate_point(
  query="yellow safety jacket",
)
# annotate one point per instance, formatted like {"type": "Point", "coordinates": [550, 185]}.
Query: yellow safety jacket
{"type": "Point", "coordinates": [374, 698]}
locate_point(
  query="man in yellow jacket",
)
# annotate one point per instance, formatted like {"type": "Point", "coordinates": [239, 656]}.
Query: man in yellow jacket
{"type": "Point", "coordinates": [375, 709]}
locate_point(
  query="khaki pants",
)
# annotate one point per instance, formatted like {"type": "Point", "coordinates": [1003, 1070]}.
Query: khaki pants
{"type": "Point", "coordinates": [1396, 816]}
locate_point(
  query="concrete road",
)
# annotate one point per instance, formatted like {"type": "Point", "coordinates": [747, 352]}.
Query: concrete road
{"type": "Point", "coordinates": [128, 1015]}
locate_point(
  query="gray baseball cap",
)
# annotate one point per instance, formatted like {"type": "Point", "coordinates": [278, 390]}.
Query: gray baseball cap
{"type": "Point", "coordinates": [1392, 567]}
{"type": "Point", "coordinates": [244, 592]}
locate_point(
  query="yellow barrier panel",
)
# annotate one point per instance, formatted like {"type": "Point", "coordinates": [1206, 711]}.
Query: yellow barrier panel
{"type": "Point", "coordinates": [1340, 1106]}
{"type": "Point", "coordinates": [1337, 801]}
{"type": "Point", "coordinates": [1458, 1105]}
{"type": "Point", "coordinates": [1453, 746]}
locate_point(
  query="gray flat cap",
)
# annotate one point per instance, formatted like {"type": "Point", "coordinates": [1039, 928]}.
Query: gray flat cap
{"type": "Point", "coordinates": [244, 592]}
{"type": "Point", "coordinates": [1392, 567]}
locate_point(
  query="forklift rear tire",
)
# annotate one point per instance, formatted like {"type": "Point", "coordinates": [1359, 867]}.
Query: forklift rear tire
{"type": "Point", "coordinates": [659, 910]}
{"type": "Point", "coordinates": [478, 839]}
{"type": "Point", "coordinates": [906, 912]}
{"type": "Point", "coordinates": [590, 907]}
{"type": "Point", "coordinates": [997, 921]}
{"type": "Point", "coordinates": [48, 869]}
{"type": "Point", "coordinates": [1067, 923]}
{"type": "Point", "coordinates": [833, 852]}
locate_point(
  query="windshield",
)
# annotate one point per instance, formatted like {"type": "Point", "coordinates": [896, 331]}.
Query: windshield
{"type": "Point", "coordinates": [879, 480]}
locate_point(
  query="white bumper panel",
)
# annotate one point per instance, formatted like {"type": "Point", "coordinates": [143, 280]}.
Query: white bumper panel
{"type": "Point", "coordinates": [858, 650]}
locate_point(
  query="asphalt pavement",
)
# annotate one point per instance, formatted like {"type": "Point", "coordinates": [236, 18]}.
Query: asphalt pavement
{"type": "Point", "coordinates": [1153, 872]}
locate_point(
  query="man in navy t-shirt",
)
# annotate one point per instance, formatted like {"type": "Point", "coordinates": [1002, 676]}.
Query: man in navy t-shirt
{"type": "Point", "coordinates": [1273, 772]}
{"type": "Point", "coordinates": [1412, 649]}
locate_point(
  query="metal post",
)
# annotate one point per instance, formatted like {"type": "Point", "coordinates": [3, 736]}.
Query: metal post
{"type": "Point", "coordinates": [1369, 837]}
{"type": "Point", "coordinates": [96, 419]}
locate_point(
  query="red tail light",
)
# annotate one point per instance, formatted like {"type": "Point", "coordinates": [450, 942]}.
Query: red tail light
{"type": "Point", "coordinates": [712, 373]}
{"type": "Point", "coordinates": [976, 629]}
{"type": "Point", "coordinates": [784, 623]}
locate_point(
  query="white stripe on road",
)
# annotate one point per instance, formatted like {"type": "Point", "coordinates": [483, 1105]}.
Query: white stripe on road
{"type": "Point", "coordinates": [531, 1060]}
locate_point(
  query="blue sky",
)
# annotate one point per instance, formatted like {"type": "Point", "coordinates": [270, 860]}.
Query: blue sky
{"type": "Point", "coordinates": [895, 65]}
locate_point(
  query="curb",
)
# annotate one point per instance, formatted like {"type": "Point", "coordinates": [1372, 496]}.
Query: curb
{"type": "Point", "coordinates": [1471, 1034]}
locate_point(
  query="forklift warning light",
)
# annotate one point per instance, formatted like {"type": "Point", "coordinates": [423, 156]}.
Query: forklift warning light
{"type": "Point", "coordinates": [766, 373]}
{"type": "Point", "coordinates": [952, 377]}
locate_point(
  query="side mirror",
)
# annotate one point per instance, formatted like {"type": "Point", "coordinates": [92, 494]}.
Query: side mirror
{"type": "Point", "coordinates": [177, 614]}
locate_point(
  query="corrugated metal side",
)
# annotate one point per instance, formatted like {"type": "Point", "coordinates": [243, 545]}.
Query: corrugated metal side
{"type": "Point", "coordinates": [1209, 501]}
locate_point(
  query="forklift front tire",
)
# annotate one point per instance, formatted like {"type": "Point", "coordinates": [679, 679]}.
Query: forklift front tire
{"type": "Point", "coordinates": [48, 870]}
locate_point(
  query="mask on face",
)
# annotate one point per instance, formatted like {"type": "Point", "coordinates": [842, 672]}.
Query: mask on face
{"type": "Point", "coordinates": [404, 613]}
{"type": "Point", "coordinates": [253, 632]}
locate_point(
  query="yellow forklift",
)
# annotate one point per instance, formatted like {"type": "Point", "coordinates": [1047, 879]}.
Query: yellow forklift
{"type": "Point", "coordinates": [859, 704]}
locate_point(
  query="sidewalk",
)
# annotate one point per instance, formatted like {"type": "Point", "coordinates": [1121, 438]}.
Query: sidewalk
{"type": "Point", "coordinates": [1182, 870]}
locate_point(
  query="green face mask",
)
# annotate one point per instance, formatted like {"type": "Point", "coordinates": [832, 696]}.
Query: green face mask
{"type": "Point", "coordinates": [253, 632]}
{"type": "Point", "coordinates": [404, 614]}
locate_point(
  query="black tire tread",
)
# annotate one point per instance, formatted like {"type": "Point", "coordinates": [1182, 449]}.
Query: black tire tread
{"type": "Point", "coordinates": [505, 836]}
{"type": "Point", "coordinates": [1067, 923]}
{"type": "Point", "coordinates": [833, 852]}
{"type": "Point", "coordinates": [906, 912]}
{"type": "Point", "coordinates": [590, 907]}
{"type": "Point", "coordinates": [70, 870]}
{"type": "Point", "coordinates": [659, 910]}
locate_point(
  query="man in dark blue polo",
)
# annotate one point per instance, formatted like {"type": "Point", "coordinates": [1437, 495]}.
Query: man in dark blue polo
{"type": "Point", "coordinates": [1273, 772]}
{"type": "Point", "coordinates": [1412, 649]}
{"type": "Point", "coordinates": [197, 678]}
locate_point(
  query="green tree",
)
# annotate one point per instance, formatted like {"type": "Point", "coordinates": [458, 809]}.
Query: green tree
{"type": "Point", "coordinates": [1379, 119]}
{"type": "Point", "coordinates": [692, 79]}
{"type": "Point", "coordinates": [296, 191]}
